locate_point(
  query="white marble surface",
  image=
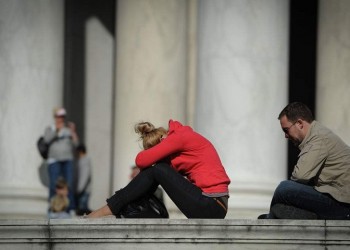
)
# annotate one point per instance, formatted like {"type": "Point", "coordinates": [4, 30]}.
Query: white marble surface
{"type": "Point", "coordinates": [98, 107]}
{"type": "Point", "coordinates": [242, 87]}
{"type": "Point", "coordinates": [31, 71]}
{"type": "Point", "coordinates": [333, 72]}
{"type": "Point", "coordinates": [150, 73]}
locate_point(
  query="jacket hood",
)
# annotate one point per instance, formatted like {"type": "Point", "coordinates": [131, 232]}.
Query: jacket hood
{"type": "Point", "coordinates": [174, 125]}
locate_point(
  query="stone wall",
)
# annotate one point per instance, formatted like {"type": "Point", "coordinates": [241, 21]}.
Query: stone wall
{"type": "Point", "coordinates": [109, 233]}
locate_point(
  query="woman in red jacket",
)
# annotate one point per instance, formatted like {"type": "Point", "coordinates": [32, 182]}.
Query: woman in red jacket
{"type": "Point", "coordinates": [167, 158]}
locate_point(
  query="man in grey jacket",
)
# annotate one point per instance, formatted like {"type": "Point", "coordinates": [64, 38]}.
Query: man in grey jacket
{"type": "Point", "coordinates": [319, 187]}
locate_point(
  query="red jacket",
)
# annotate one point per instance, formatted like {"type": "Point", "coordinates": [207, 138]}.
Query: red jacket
{"type": "Point", "coordinates": [191, 155]}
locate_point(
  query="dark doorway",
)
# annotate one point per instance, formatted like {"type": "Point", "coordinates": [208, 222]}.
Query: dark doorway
{"type": "Point", "coordinates": [302, 60]}
{"type": "Point", "coordinates": [77, 12]}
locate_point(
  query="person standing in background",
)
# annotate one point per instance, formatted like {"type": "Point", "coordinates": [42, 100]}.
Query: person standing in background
{"type": "Point", "coordinates": [62, 138]}
{"type": "Point", "coordinates": [83, 180]}
{"type": "Point", "coordinates": [134, 172]}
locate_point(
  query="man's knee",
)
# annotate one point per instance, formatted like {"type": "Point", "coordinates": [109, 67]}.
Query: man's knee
{"type": "Point", "coordinates": [286, 185]}
{"type": "Point", "coordinates": [284, 188]}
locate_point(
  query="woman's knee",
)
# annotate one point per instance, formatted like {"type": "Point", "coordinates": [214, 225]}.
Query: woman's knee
{"type": "Point", "coordinates": [161, 168]}
{"type": "Point", "coordinates": [166, 175]}
{"type": "Point", "coordinates": [157, 170]}
{"type": "Point", "coordinates": [161, 165]}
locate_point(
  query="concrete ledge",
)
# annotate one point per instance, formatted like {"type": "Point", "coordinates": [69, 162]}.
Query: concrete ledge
{"type": "Point", "coordinates": [111, 233]}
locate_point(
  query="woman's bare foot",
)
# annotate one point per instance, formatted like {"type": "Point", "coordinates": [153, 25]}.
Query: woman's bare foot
{"type": "Point", "coordinates": [103, 211]}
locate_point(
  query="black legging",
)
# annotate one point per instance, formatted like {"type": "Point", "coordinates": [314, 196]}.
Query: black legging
{"type": "Point", "coordinates": [187, 197]}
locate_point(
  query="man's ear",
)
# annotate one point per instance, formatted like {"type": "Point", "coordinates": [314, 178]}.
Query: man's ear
{"type": "Point", "coordinates": [300, 123]}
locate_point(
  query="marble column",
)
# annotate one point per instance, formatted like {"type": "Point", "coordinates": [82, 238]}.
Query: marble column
{"type": "Point", "coordinates": [98, 107]}
{"type": "Point", "coordinates": [333, 60]}
{"type": "Point", "coordinates": [31, 51]}
{"type": "Point", "coordinates": [151, 73]}
{"type": "Point", "coordinates": [242, 87]}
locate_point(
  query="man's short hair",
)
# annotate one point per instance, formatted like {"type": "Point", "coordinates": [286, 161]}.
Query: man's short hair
{"type": "Point", "coordinates": [81, 148]}
{"type": "Point", "coordinates": [61, 183]}
{"type": "Point", "coordinates": [295, 111]}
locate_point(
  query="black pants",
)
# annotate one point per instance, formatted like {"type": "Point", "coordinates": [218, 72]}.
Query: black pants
{"type": "Point", "coordinates": [187, 197]}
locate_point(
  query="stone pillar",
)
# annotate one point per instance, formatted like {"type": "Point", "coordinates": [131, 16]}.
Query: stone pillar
{"type": "Point", "coordinates": [151, 73]}
{"type": "Point", "coordinates": [242, 87]}
{"type": "Point", "coordinates": [333, 88]}
{"type": "Point", "coordinates": [31, 50]}
{"type": "Point", "coordinates": [98, 107]}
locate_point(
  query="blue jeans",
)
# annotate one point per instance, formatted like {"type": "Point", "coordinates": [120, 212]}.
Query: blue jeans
{"type": "Point", "coordinates": [187, 197]}
{"type": "Point", "coordinates": [83, 201]}
{"type": "Point", "coordinates": [306, 197]}
{"type": "Point", "coordinates": [65, 170]}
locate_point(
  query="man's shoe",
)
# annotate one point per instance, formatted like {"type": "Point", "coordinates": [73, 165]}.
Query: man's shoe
{"type": "Point", "coordinates": [282, 211]}
{"type": "Point", "coordinates": [263, 216]}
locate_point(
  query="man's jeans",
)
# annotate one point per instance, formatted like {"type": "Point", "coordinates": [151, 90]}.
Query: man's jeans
{"type": "Point", "coordinates": [65, 170]}
{"type": "Point", "coordinates": [306, 197]}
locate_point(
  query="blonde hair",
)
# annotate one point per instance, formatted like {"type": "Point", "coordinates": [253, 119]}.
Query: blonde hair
{"type": "Point", "coordinates": [59, 203]}
{"type": "Point", "coordinates": [149, 135]}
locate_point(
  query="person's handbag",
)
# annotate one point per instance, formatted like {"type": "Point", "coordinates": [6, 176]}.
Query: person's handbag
{"type": "Point", "coordinates": [43, 147]}
{"type": "Point", "coordinates": [147, 207]}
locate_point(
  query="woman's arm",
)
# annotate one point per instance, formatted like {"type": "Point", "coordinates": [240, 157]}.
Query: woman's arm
{"type": "Point", "coordinates": [165, 148]}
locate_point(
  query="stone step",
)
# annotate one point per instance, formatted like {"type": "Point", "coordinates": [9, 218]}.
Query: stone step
{"type": "Point", "coordinates": [110, 233]}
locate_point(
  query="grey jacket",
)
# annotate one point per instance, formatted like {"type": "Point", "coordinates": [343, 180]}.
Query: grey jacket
{"type": "Point", "coordinates": [84, 175]}
{"type": "Point", "coordinates": [325, 159]}
{"type": "Point", "coordinates": [61, 149]}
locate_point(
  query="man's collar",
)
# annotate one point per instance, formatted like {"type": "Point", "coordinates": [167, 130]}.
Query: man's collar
{"type": "Point", "coordinates": [307, 136]}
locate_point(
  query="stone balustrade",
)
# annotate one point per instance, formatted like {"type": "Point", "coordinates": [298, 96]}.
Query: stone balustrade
{"type": "Point", "coordinates": [110, 233]}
